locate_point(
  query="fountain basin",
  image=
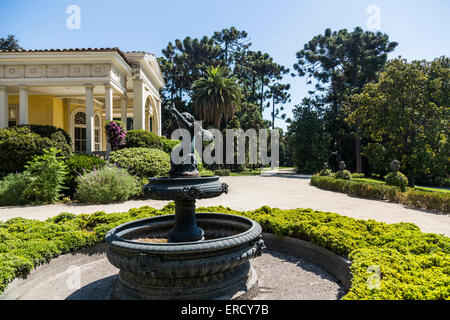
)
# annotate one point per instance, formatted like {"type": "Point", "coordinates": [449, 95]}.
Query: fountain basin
{"type": "Point", "coordinates": [192, 188]}
{"type": "Point", "coordinates": [217, 267]}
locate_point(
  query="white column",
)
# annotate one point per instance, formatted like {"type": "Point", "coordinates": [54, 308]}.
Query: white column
{"type": "Point", "coordinates": [4, 108]}
{"type": "Point", "coordinates": [138, 105]}
{"type": "Point", "coordinates": [89, 118]}
{"type": "Point", "coordinates": [123, 109]}
{"type": "Point", "coordinates": [158, 118]}
{"type": "Point", "coordinates": [109, 102]}
{"type": "Point", "coordinates": [23, 105]}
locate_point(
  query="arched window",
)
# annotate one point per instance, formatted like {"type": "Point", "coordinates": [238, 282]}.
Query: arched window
{"type": "Point", "coordinates": [79, 132]}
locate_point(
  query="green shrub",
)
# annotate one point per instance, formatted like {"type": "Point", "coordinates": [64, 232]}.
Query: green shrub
{"type": "Point", "coordinates": [106, 185]}
{"type": "Point", "coordinates": [437, 201]}
{"type": "Point", "coordinates": [397, 179]}
{"type": "Point", "coordinates": [140, 183]}
{"type": "Point", "coordinates": [222, 173]}
{"type": "Point", "coordinates": [142, 162]}
{"type": "Point", "coordinates": [41, 183]}
{"type": "Point", "coordinates": [358, 175]}
{"type": "Point", "coordinates": [78, 165]}
{"type": "Point", "coordinates": [413, 265]}
{"type": "Point", "coordinates": [143, 139]}
{"type": "Point", "coordinates": [18, 145]}
{"type": "Point", "coordinates": [47, 174]}
{"type": "Point", "coordinates": [48, 131]}
{"type": "Point", "coordinates": [326, 173]}
{"type": "Point", "coordinates": [343, 174]}
{"type": "Point", "coordinates": [169, 145]}
{"type": "Point", "coordinates": [12, 189]}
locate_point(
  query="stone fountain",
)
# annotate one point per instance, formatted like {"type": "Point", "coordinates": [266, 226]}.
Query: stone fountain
{"type": "Point", "coordinates": [187, 255]}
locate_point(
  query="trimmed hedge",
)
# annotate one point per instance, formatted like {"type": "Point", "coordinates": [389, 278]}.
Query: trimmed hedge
{"type": "Point", "coordinates": [142, 162]}
{"type": "Point", "coordinates": [222, 173]}
{"type": "Point", "coordinates": [437, 201]}
{"type": "Point", "coordinates": [143, 139]}
{"type": "Point", "coordinates": [413, 265]}
{"type": "Point", "coordinates": [397, 179]}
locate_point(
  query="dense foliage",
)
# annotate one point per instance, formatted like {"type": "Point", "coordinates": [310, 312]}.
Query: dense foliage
{"type": "Point", "coordinates": [40, 183]}
{"type": "Point", "coordinates": [259, 77]}
{"type": "Point", "coordinates": [413, 265]}
{"type": "Point", "coordinates": [437, 201]}
{"type": "Point", "coordinates": [18, 145]}
{"type": "Point", "coordinates": [397, 179]}
{"type": "Point", "coordinates": [406, 116]}
{"type": "Point", "coordinates": [217, 96]}
{"type": "Point", "coordinates": [343, 174]}
{"type": "Point", "coordinates": [340, 63]}
{"type": "Point", "coordinates": [142, 162]}
{"type": "Point", "coordinates": [308, 140]}
{"type": "Point", "coordinates": [78, 165]}
{"type": "Point", "coordinates": [106, 185]}
{"type": "Point", "coordinates": [143, 139]}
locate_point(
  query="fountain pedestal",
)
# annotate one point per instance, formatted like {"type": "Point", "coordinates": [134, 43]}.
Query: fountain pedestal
{"type": "Point", "coordinates": [208, 254]}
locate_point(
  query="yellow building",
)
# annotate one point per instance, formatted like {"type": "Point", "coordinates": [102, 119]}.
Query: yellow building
{"type": "Point", "coordinates": [79, 90]}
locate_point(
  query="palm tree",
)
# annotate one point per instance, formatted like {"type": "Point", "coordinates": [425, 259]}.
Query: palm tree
{"type": "Point", "coordinates": [216, 96]}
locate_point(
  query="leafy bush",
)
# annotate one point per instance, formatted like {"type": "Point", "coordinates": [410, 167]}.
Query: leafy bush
{"type": "Point", "coordinates": [47, 174]}
{"type": "Point", "coordinates": [413, 265]}
{"type": "Point", "coordinates": [142, 162]}
{"type": "Point", "coordinates": [139, 190]}
{"type": "Point", "coordinates": [18, 145]}
{"type": "Point", "coordinates": [397, 179]}
{"type": "Point", "coordinates": [326, 173]}
{"type": "Point", "coordinates": [78, 165]}
{"type": "Point", "coordinates": [41, 183]}
{"type": "Point", "coordinates": [106, 185]}
{"type": "Point", "coordinates": [222, 173]}
{"type": "Point", "coordinates": [12, 189]}
{"type": "Point", "coordinates": [358, 175]}
{"type": "Point", "coordinates": [169, 145]}
{"type": "Point", "coordinates": [343, 174]}
{"type": "Point", "coordinates": [47, 131]}
{"type": "Point", "coordinates": [143, 139]}
{"type": "Point", "coordinates": [436, 201]}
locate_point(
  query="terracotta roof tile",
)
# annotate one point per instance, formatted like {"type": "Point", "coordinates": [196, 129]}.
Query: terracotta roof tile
{"type": "Point", "coordinates": [120, 52]}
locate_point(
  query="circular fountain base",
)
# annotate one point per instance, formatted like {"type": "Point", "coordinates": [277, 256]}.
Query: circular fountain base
{"type": "Point", "coordinates": [216, 268]}
{"type": "Point", "coordinates": [240, 284]}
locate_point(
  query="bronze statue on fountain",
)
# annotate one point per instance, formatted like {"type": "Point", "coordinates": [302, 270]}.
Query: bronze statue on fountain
{"type": "Point", "coordinates": [207, 255]}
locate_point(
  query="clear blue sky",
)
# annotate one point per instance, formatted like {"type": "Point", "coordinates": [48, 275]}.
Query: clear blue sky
{"type": "Point", "coordinates": [278, 27]}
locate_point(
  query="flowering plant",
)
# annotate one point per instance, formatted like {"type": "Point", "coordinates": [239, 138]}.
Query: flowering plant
{"type": "Point", "coordinates": [116, 134]}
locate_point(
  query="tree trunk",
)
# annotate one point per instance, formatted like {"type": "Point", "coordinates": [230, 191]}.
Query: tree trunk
{"type": "Point", "coordinates": [262, 95]}
{"type": "Point", "coordinates": [358, 154]}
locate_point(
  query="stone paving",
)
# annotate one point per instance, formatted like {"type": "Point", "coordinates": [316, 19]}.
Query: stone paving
{"type": "Point", "coordinates": [282, 189]}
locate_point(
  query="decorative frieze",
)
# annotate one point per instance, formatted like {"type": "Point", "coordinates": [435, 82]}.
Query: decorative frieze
{"type": "Point", "coordinates": [79, 71]}
{"type": "Point", "coordinates": [14, 72]}
{"type": "Point", "coordinates": [35, 71]}
{"type": "Point", "coordinates": [59, 71]}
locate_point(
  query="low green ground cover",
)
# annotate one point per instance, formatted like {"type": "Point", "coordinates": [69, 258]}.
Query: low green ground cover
{"type": "Point", "coordinates": [375, 189]}
{"type": "Point", "coordinates": [412, 264]}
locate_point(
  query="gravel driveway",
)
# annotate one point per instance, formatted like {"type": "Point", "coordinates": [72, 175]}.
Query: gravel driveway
{"type": "Point", "coordinates": [282, 190]}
